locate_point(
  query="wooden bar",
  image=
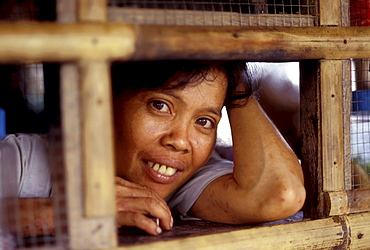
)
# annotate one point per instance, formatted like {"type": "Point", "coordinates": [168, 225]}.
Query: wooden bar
{"type": "Point", "coordinates": [360, 230]}
{"type": "Point", "coordinates": [322, 134]}
{"type": "Point", "coordinates": [31, 41]}
{"type": "Point", "coordinates": [338, 232]}
{"type": "Point", "coordinates": [114, 41]}
{"type": "Point", "coordinates": [87, 133]}
{"type": "Point", "coordinates": [251, 43]}
{"type": "Point", "coordinates": [347, 106]}
{"type": "Point", "coordinates": [81, 232]}
{"type": "Point", "coordinates": [331, 92]}
{"type": "Point", "coordinates": [329, 12]}
{"type": "Point", "coordinates": [97, 136]}
{"type": "Point", "coordinates": [345, 15]}
{"type": "Point", "coordinates": [311, 152]}
{"type": "Point", "coordinates": [347, 202]}
{"type": "Point", "coordinates": [92, 10]}
{"type": "Point", "coordinates": [66, 11]}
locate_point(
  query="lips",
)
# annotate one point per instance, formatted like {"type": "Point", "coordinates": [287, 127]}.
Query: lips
{"type": "Point", "coordinates": [162, 169]}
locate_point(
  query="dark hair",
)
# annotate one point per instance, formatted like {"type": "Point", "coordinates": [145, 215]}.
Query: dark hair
{"type": "Point", "coordinates": [157, 74]}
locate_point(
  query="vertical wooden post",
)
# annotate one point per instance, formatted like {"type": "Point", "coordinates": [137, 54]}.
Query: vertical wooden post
{"type": "Point", "coordinates": [310, 136]}
{"type": "Point", "coordinates": [322, 123]}
{"type": "Point", "coordinates": [322, 133]}
{"type": "Point", "coordinates": [332, 128]}
{"type": "Point", "coordinates": [87, 141]}
{"type": "Point", "coordinates": [347, 99]}
{"type": "Point", "coordinates": [97, 139]}
{"type": "Point", "coordinates": [329, 12]}
{"type": "Point", "coordinates": [331, 101]}
{"type": "Point", "coordinates": [92, 10]}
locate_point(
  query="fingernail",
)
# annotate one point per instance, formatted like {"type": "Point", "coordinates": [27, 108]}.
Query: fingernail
{"type": "Point", "coordinates": [158, 230]}
{"type": "Point", "coordinates": [171, 223]}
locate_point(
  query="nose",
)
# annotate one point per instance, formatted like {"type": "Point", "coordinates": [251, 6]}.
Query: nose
{"type": "Point", "coordinates": [177, 138]}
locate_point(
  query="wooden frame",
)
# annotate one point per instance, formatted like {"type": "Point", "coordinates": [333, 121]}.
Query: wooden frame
{"type": "Point", "coordinates": [320, 50]}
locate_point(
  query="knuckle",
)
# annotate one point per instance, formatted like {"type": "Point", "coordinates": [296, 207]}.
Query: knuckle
{"type": "Point", "coordinates": [136, 218]}
{"type": "Point", "coordinates": [151, 202]}
{"type": "Point", "coordinates": [149, 193]}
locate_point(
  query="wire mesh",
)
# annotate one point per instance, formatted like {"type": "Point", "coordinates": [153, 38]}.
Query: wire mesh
{"type": "Point", "coordinates": [355, 12]}
{"type": "Point", "coordinates": [215, 13]}
{"type": "Point", "coordinates": [359, 12]}
{"type": "Point", "coordinates": [218, 13]}
{"type": "Point", "coordinates": [22, 98]}
{"type": "Point", "coordinates": [359, 124]}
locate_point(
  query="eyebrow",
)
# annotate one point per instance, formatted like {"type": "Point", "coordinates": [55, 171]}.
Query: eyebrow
{"type": "Point", "coordinates": [209, 110]}
{"type": "Point", "coordinates": [213, 111]}
{"type": "Point", "coordinates": [169, 92]}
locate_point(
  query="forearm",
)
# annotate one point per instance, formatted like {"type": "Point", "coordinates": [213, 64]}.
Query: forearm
{"type": "Point", "coordinates": [267, 182]}
{"type": "Point", "coordinates": [33, 216]}
{"type": "Point", "coordinates": [265, 165]}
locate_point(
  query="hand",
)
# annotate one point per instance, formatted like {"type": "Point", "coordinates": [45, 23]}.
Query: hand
{"type": "Point", "coordinates": [135, 201]}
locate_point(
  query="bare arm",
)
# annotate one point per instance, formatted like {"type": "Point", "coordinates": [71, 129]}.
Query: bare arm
{"type": "Point", "coordinates": [267, 183]}
{"type": "Point", "coordinates": [35, 216]}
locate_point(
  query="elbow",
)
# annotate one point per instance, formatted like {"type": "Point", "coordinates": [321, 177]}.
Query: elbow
{"type": "Point", "coordinates": [287, 201]}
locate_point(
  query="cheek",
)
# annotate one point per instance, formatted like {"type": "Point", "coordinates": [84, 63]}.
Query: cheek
{"type": "Point", "coordinates": [140, 131]}
{"type": "Point", "coordinates": [202, 149]}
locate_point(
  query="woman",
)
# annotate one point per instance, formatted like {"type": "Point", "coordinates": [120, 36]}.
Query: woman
{"type": "Point", "coordinates": [166, 132]}
{"type": "Point", "coordinates": [166, 116]}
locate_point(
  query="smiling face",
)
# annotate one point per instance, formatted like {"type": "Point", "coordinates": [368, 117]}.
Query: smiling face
{"type": "Point", "coordinates": [164, 136]}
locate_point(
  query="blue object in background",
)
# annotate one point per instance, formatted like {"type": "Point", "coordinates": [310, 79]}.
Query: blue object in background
{"type": "Point", "coordinates": [2, 124]}
{"type": "Point", "coordinates": [361, 100]}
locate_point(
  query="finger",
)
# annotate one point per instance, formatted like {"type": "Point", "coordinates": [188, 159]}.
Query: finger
{"type": "Point", "coordinates": [145, 205]}
{"type": "Point", "coordinates": [128, 189]}
{"type": "Point", "coordinates": [138, 220]}
{"type": "Point", "coordinates": [123, 186]}
{"type": "Point", "coordinates": [121, 181]}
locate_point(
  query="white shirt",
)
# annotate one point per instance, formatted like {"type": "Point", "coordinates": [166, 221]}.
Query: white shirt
{"type": "Point", "coordinates": [24, 168]}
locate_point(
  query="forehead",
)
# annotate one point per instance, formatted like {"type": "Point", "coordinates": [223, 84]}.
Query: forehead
{"type": "Point", "coordinates": [207, 90]}
{"type": "Point", "coordinates": [208, 84]}
{"type": "Point", "coordinates": [213, 76]}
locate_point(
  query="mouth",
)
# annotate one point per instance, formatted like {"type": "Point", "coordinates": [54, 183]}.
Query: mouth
{"type": "Point", "coordinates": [162, 169]}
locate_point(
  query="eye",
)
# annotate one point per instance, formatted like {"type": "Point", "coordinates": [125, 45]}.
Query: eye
{"type": "Point", "coordinates": [206, 123]}
{"type": "Point", "coordinates": [160, 106]}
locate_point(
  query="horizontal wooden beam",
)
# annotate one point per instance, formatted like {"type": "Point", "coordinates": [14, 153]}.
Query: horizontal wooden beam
{"type": "Point", "coordinates": [340, 232]}
{"type": "Point", "coordinates": [36, 41]}
{"type": "Point", "coordinates": [252, 43]}
{"type": "Point", "coordinates": [20, 42]}
{"type": "Point", "coordinates": [346, 202]}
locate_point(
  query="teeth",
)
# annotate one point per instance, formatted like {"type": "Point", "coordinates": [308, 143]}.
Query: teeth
{"type": "Point", "coordinates": [170, 171]}
{"type": "Point", "coordinates": [156, 167]}
{"type": "Point", "coordinates": [162, 169]}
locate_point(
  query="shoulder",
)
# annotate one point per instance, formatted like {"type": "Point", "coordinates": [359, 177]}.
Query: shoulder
{"type": "Point", "coordinates": [183, 198]}
{"type": "Point", "coordinates": [24, 149]}
{"type": "Point", "coordinates": [24, 141]}
{"type": "Point", "coordinates": [25, 156]}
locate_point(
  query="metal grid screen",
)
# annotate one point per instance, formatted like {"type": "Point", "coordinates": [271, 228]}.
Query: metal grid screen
{"type": "Point", "coordinates": [197, 12]}
{"type": "Point", "coordinates": [22, 97]}
{"type": "Point", "coordinates": [215, 13]}
{"type": "Point", "coordinates": [359, 124]}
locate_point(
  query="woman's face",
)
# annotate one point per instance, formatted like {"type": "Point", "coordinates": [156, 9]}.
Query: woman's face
{"type": "Point", "coordinates": [164, 136]}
